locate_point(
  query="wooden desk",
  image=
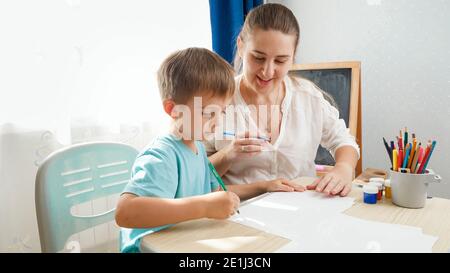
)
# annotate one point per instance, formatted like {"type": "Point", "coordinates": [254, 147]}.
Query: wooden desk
{"type": "Point", "coordinates": [207, 235]}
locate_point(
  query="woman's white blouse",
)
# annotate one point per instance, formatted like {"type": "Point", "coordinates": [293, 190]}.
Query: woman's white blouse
{"type": "Point", "coordinates": [307, 121]}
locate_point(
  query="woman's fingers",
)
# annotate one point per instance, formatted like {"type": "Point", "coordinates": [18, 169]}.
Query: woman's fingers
{"type": "Point", "coordinates": [283, 187]}
{"type": "Point", "coordinates": [346, 190]}
{"type": "Point", "coordinates": [338, 188]}
{"type": "Point", "coordinates": [323, 183]}
{"type": "Point", "coordinates": [314, 184]}
{"type": "Point", "coordinates": [250, 154]}
{"type": "Point", "coordinates": [249, 141]}
{"type": "Point", "coordinates": [279, 184]}
{"type": "Point", "coordinates": [334, 182]}
{"type": "Point", "coordinates": [331, 185]}
{"type": "Point", "coordinates": [250, 148]}
{"type": "Point", "coordinates": [247, 135]}
{"type": "Point", "coordinates": [295, 186]}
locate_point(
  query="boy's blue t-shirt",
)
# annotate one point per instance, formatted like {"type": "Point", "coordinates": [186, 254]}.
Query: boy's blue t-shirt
{"type": "Point", "coordinates": [166, 169]}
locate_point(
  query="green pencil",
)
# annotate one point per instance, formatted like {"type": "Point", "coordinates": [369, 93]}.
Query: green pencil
{"type": "Point", "coordinates": [219, 179]}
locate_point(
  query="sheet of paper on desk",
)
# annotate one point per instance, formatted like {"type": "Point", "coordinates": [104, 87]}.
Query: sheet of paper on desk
{"type": "Point", "coordinates": [315, 223]}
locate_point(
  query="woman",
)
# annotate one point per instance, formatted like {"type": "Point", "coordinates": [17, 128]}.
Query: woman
{"type": "Point", "coordinates": [291, 111]}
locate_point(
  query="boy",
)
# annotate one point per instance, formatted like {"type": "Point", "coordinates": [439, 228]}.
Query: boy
{"type": "Point", "coordinates": [171, 181]}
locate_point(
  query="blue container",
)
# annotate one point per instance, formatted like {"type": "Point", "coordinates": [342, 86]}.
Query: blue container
{"type": "Point", "coordinates": [370, 194]}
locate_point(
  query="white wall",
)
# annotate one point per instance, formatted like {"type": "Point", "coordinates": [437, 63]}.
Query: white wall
{"type": "Point", "coordinates": [404, 48]}
{"type": "Point", "coordinates": [72, 71]}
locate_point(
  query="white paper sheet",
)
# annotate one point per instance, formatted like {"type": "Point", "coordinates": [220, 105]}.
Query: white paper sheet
{"type": "Point", "coordinates": [315, 223]}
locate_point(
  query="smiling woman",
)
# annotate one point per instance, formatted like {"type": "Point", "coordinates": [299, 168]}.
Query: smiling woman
{"type": "Point", "coordinates": [292, 111]}
{"type": "Point", "coordinates": [79, 71]}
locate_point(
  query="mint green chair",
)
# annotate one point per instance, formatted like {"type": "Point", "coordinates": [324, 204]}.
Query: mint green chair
{"type": "Point", "coordinates": [76, 175]}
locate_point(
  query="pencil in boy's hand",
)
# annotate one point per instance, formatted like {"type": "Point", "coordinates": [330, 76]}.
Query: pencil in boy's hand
{"type": "Point", "coordinates": [219, 179]}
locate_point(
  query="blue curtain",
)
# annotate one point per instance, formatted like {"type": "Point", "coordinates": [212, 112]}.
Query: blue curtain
{"type": "Point", "coordinates": [227, 17]}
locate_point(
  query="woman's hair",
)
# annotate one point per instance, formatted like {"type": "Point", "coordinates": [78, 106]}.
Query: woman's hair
{"type": "Point", "coordinates": [269, 16]}
{"type": "Point", "coordinates": [272, 16]}
{"type": "Point", "coordinates": [186, 72]}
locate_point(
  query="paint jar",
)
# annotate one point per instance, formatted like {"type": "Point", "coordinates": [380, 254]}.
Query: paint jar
{"type": "Point", "coordinates": [370, 194]}
{"type": "Point", "coordinates": [379, 187]}
{"type": "Point", "coordinates": [377, 179]}
{"type": "Point", "coordinates": [387, 188]}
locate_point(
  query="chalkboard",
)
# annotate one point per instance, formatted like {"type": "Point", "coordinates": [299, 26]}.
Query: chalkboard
{"type": "Point", "coordinates": [337, 80]}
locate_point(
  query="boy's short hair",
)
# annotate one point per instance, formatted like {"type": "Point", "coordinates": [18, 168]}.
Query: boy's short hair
{"type": "Point", "coordinates": [188, 71]}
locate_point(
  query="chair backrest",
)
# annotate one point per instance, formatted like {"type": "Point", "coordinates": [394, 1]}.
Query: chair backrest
{"type": "Point", "coordinates": [76, 175]}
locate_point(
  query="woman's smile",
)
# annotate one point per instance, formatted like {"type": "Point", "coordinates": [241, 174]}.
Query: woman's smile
{"type": "Point", "coordinates": [262, 82]}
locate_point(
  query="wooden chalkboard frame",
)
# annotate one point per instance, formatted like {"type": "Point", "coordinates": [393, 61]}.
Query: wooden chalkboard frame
{"type": "Point", "coordinates": [354, 120]}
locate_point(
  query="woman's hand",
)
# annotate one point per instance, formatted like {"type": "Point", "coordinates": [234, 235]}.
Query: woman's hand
{"type": "Point", "coordinates": [243, 146]}
{"type": "Point", "coordinates": [337, 181]}
{"type": "Point", "coordinates": [282, 184]}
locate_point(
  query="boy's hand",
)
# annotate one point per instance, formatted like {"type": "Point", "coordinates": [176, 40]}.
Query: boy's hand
{"type": "Point", "coordinates": [282, 184]}
{"type": "Point", "coordinates": [221, 204]}
{"type": "Point", "coordinates": [338, 181]}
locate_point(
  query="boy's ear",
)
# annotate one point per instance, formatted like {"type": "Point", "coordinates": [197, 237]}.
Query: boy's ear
{"type": "Point", "coordinates": [169, 106]}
